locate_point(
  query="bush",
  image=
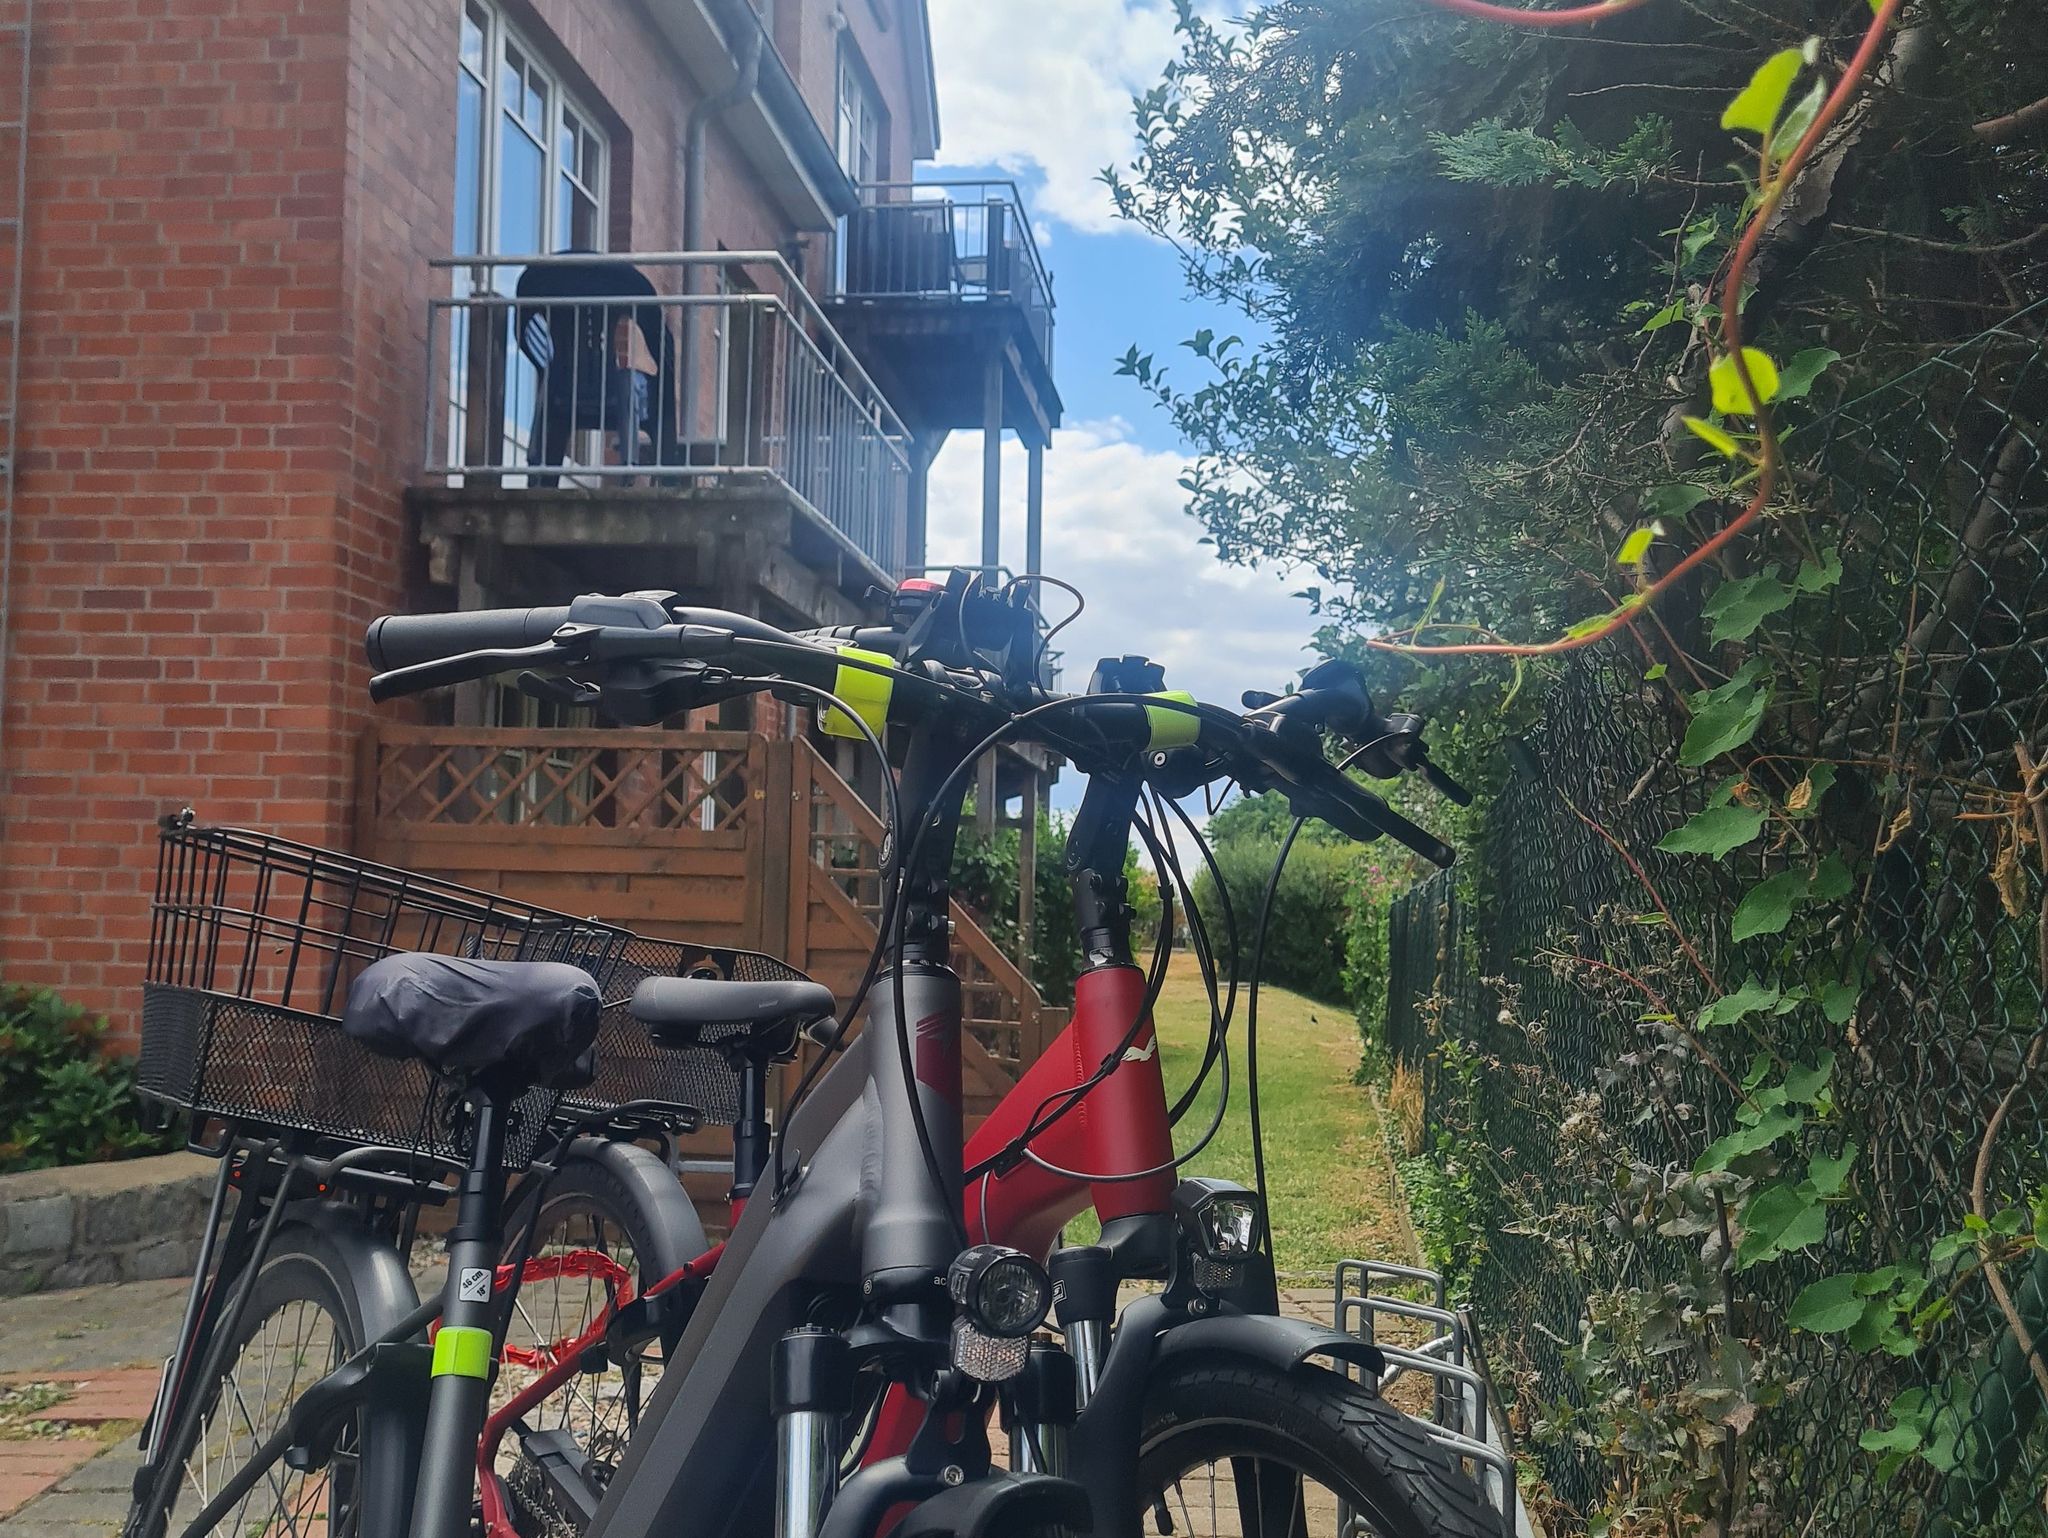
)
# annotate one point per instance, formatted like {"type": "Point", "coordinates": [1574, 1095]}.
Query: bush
{"type": "Point", "coordinates": [1306, 936]}
{"type": "Point", "coordinates": [63, 1098]}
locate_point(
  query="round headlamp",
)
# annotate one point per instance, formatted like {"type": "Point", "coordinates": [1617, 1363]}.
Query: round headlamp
{"type": "Point", "coordinates": [1002, 1291]}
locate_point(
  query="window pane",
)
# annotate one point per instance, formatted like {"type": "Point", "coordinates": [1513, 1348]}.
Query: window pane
{"type": "Point", "coordinates": [474, 21]}
{"type": "Point", "coordinates": [575, 218]}
{"type": "Point", "coordinates": [522, 189]}
{"type": "Point", "coordinates": [512, 79]}
{"type": "Point", "coordinates": [469, 164]}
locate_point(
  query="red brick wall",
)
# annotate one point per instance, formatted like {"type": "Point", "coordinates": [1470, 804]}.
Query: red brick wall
{"type": "Point", "coordinates": [232, 204]}
{"type": "Point", "coordinates": [176, 547]}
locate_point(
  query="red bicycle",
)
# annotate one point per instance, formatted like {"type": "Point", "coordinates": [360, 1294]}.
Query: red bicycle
{"type": "Point", "coordinates": [1199, 1408]}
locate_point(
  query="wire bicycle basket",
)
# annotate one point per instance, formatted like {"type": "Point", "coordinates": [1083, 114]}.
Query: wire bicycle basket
{"type": "Point", "coordinates": [254, 942]}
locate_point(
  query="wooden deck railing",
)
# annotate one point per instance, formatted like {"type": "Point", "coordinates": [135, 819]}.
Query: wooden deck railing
{"type": "Point", "coordinates": [725, 837]}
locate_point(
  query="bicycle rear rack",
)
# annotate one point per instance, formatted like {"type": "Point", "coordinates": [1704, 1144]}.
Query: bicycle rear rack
{"type": "Point", "coordinates": [1464, 1418]}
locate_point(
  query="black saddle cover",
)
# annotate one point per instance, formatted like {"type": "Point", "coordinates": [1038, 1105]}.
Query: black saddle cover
{"type": "Point", "coordinates": [523, 1023]}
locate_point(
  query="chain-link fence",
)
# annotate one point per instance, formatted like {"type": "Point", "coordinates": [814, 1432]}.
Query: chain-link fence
{"type": "Point", "coordinates": [1526, 990]}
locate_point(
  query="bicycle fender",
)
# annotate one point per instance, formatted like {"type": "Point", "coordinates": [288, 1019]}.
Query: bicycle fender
{"type": "Point", "coordinates": [1269, 1339]}
{"type": "Point", "coordinates": [1103, 1450]}
{"type": "Point", "coordinates": [657, 1193]}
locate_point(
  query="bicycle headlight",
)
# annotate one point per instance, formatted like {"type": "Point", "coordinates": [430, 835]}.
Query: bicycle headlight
{"type": "Point", "coordinates": [1002, 1291]}
{"type": "Point", "coordinates": [1223, 1221]}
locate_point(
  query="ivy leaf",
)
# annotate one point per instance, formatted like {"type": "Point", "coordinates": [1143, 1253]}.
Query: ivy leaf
{"type": "Point", "coordinates": [1714, 436]}
{"type": "Point", "coordinates": [1751, 998]}
{"type": "Point", "coordinates": [1724, 380]}
{"type": "Point", "coordinates": [1826, 1307]}
{"type": "Point", "coordinates": [1828, 1176]}
{"type": "Point", "coordinates": [1670, 314]}
{"type": "Point", "coordinates": [1767, 908]}
{"type": "Point", "coordinates": [1724, 718]}
{"type": "Point", "coordinates": [1738, 607]}
{"type": "Point", "coordinates": [1655, 671]}
{"type": "Point", "coordinates": [1747, 1140]}
{"type": "Point", "coordinates": [1803, 1085]}
{"type": "Point", "coordinates": [1637, 545]}
{"type": "Point", "coordinates": [1838, 1001]}
{"type": "Point", "coordinates": [1777, 1221]}
{"type": "Point", "coordinates": [1796, 380]}
{"type": "Point", "coordinates": [1818, 579]}
{"type": "Point", "coordinates": [1756, 108]}
{"type": "Point", "coordinates": [1830, 881]}
{"type": "Point", "coordinates": [1805, 797]}
{"type": "Point", "coordinates": [1676, 501]}
{"type": "Point", "coordinates": [1798, 120]}
{"type": "Point", "coordinates": [1714, 831]}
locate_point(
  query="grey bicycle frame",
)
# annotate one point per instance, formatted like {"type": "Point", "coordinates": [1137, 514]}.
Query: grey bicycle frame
{"type": "Point", "coordinates": [860, 1203]}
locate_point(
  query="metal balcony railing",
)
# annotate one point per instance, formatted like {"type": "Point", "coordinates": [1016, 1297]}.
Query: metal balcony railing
{"type": "Point", "coordinates": [960, 240]}
{"type": "Point", "coordinates": [677, 369]}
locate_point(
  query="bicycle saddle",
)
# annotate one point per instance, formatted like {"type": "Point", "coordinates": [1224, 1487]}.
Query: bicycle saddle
{"type": "Point", "coordinates": [711, 1011]}
{"type": "Point", "coordinates": [517, 1024]}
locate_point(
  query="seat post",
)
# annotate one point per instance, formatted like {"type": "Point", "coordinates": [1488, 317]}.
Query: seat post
{"type": "Point", "coordinates": [750, 1137]}
{"type": "Point", "coordinates": [460, 1393]}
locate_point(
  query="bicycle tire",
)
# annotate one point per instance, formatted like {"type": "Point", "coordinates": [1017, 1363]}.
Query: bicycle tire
{"type": "Point", "coordinates": [305, 1298]}
{"type": "Point", "coordinates": [1310, 1423]}
{"type": "Point", "coordinates": [623, 1201]}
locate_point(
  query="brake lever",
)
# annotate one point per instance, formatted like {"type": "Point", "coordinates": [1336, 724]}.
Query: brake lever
{"type": "Point", "coordinates": [571, 692]}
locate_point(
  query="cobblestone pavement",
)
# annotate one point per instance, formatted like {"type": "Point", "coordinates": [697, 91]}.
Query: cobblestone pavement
{"type": "Point", "coordinates": [102, 1347]}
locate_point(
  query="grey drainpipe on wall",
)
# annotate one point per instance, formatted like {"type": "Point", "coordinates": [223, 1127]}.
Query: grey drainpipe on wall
{"type": "Point", "coordinates": [696, 158]}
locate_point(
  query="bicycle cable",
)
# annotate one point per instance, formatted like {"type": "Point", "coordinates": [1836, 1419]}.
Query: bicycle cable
{"type": "Point", "coordinates": [1251, 1022]}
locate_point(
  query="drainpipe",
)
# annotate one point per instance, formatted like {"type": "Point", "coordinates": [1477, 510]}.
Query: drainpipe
{"type": "Point", "coordinates": [696, 157]}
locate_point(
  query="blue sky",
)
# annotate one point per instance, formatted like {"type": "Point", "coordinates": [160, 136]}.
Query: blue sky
{"type": "Point", "coordinates": [1046, 102]}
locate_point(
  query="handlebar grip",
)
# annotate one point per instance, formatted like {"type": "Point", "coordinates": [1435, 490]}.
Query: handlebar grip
{"type": "Point", "coordinates": [405, 640]}
{"type": "Point", "coordinates": [1363, 815]}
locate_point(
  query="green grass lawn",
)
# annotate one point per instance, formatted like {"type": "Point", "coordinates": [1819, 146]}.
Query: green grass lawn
{"type": "Point", "coordinates": [1333, 1189]}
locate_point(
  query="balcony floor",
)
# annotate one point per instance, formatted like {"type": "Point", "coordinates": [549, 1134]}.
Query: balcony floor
{"type": "Point", "coordinates": [733, 542]}
{"type": "Point", "coordinates": [931, 355]}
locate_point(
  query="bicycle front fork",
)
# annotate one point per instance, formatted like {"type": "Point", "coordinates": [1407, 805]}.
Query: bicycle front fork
{"type": "Point", "coordinates": [459, 1398]}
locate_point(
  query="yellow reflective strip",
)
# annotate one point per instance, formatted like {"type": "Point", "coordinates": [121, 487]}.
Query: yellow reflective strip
{"type": "Point", "coordinates": [865, 690]}
{"type": "Point", "coordinates": [462, 1351]}
{"type": "Point", "coordinates": [1172, 728]}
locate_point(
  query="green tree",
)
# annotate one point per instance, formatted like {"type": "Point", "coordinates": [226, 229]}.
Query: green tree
{"type": "Point", "coordinates": [1470, 259]}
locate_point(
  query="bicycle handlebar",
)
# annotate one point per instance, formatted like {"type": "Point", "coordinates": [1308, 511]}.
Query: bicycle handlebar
{"type": "Point", "coordinates": [1277, 745]}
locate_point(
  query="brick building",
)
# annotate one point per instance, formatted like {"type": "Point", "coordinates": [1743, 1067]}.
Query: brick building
{"type": "Point", "coordinates": [258, 402]}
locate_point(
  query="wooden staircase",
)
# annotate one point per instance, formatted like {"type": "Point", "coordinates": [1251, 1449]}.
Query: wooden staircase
{"type": "Point", "coordinates": [728, 838]}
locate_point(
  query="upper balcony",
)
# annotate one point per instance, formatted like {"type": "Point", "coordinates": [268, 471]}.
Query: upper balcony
{"type": "Point", "coordinates": [683, 420]}
{"type": "Point", "coordinates": [938, 282]}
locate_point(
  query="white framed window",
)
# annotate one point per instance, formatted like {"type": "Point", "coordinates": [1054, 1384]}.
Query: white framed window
{"type": "Point", "coordinates": [532, 172]}
{"type": "Point", "coordinates": [863, 132]}
{"type": "Point", "coordinates": [530, 160]}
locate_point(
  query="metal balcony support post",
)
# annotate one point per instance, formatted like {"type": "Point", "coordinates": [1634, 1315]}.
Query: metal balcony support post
{"type": "Point", "coordinates": [1034, 508]}
{"type": "Point", "coordinates": [992, 466]}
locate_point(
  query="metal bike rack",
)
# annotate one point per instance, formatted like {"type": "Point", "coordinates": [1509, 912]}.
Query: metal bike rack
{"type": "Point", "coordinates": [1462, 1420]}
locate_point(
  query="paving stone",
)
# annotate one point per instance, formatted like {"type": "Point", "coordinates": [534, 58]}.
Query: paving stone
{"type": "Point", "coordinates": [112, 1471]}
{"type": "Point", "coordinates": [31, 1467]}
{"type": "Point", "coordinates": [69, 1334]}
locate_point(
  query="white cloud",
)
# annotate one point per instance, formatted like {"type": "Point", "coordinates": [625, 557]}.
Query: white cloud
{"type": "Point", "coordinates": [1116, 526]}
{"type": "Point", "coordinates": [1045, 90]}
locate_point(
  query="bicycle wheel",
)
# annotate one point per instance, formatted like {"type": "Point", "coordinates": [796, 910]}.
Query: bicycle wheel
{"type": "Point", "coordinates": [304, 1318]}
{"type": "Point", "coordinates": [1252, 1452]}
{"type": "Point", "coordinates": [611, 1213]}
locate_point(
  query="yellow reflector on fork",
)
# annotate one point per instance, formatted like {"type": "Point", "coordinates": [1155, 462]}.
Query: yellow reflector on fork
{"type": "Point", "coordinates": [865, 690]}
